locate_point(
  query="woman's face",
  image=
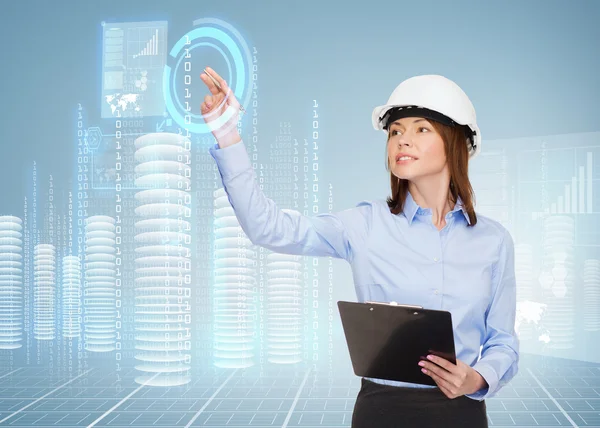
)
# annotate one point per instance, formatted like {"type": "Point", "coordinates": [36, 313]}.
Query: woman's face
{"type": "Point", "coordinates": [417, 138]}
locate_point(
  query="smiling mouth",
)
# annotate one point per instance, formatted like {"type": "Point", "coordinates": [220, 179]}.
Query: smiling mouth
{"type": "Point", "coordinates": [404, 159]}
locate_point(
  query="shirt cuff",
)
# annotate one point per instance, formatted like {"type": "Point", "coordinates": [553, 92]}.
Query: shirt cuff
{"type": "Point", "coordinates": [490, 377]}
{"type": "Point", "coordinates": [231, 160]}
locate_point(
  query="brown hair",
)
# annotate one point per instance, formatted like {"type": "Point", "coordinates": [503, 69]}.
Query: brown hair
{"type": "Point", "coordinates": [457, 156]}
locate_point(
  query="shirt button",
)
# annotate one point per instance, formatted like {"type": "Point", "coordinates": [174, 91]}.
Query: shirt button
{"type": "Point", "coordinates": [435, 259]}
{"type": "Point", "coordinates": [437, 291]}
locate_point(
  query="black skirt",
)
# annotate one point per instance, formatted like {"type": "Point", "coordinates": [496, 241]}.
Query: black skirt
{"type": "Point", "coordinates": [383, 406]}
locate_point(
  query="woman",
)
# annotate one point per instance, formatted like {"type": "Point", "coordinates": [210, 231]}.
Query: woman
{"type": "Point", "coordinates": [425, 245]}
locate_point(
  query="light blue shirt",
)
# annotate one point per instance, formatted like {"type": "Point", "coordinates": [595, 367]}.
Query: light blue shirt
{"type": "Point", "coordinates": [468, 271]}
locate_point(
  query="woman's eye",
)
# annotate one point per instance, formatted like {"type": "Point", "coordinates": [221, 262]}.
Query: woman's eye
{"type": "Point", "coordinates": [395, 130]}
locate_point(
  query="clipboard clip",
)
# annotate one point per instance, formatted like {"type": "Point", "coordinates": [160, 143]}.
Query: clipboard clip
{"type": "Point", "coordinates": [395, 304]}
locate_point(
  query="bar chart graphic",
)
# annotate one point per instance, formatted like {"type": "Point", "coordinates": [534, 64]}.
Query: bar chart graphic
{"type": "Point", "coordinates": [151, 47]}
{"type": "Point", "coordinates": [577, 198]}
{"type": "Point", "coordinates": [577, 194]}
{"type": "Point", "coordinates": [146, 46]}
{"type": "Point", "coordinates": [556, 174]}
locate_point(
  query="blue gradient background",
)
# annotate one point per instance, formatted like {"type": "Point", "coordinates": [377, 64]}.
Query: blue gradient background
{"type": "Point", "coordinates": [529, 67]}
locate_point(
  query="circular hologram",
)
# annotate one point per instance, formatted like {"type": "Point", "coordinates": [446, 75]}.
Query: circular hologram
{"type": "Point", "coordinates": [214, 33]}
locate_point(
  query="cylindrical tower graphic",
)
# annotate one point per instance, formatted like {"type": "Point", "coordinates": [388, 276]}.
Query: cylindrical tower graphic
{"type": "Point", "coordinates": [558, 246]}
{"type": "Point", "coordinates": [11, 282]}
{"type": "Point", "coordinates": [71, 292]}
{"type": "Point", "coordinates": [163, 270]}
{"type": "Point", "coordinates": [284, 308]}
{"type": "Point", "coordinates": [44, 288]}
{"type": "Point", "coordinates": [99, 284]}
{"type": "Point", "coordinates": [234, 293]}
{"type": "Point", "coordinates": [591, 293]}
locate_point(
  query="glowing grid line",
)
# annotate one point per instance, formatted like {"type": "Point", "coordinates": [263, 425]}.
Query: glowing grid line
{"type": "Point", "coordinates": [120, 402]}
{"type": "Point", "coordinates": [43, 396]}
{"type": "Point", "coordinates": [9, 373]}
{"type": "Point", "coordinates": [289, 415]}
{"type": "Point", "coordinates": [210, 400]}
{"type": "Point", "coordinates": [553, 399]}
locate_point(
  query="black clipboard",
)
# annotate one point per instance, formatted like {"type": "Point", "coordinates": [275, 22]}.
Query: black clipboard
{"type": "Point", "coordinates": [387, 341]}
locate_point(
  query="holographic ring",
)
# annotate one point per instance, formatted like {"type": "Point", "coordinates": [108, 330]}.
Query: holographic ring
{"type": "Point", "coordinates": [237, 50]}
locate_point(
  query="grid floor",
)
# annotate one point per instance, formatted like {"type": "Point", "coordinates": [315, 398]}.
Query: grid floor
{"type": "Point", "coordinates": [563, 393]}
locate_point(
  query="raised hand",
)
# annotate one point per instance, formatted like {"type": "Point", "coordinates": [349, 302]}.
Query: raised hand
{"type": "Point", "coordinates": [220, 109]}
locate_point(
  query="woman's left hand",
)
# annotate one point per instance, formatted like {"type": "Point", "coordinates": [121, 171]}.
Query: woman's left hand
{"type": "Point", "coordinates": [453, 380]}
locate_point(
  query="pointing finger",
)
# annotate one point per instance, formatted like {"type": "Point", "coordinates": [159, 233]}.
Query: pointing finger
{"type": "Point", "coordinates": [218, 78]}
{"type": "Point", "coordinates": [210, 84]}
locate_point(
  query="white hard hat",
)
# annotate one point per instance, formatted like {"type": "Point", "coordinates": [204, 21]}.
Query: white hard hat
{"type": "Point", "coordinates": [434, 97]}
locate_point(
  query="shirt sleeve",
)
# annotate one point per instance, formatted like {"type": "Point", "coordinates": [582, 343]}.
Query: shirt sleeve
{"type": "Point", "coordinates": [500, 354]}
{"type": "Point", "coordinates": [287, 231]}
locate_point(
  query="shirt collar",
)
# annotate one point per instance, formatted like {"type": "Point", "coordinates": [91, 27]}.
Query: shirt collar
{"type": "Point", "coordinates": [411, 209]}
